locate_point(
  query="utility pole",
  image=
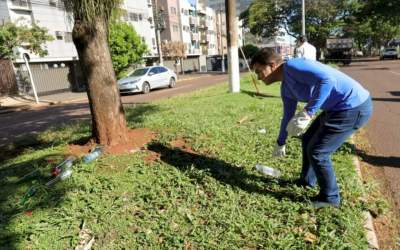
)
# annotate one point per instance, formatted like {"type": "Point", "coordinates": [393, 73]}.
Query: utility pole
{"type": "Point", "coordinates": [221, 41]}
{"type": "Point", "coordinates": [158, 24]}
{"type": "Point", "coordinates": [303, 18]}
{"type": "Point", "coordinates": [232, 38]}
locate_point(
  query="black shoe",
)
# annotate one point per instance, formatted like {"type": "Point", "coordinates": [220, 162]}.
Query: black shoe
{"type": "Point", "coordinates": [302, 183]}
{"type": "Point", "coordinates": [318, 202]}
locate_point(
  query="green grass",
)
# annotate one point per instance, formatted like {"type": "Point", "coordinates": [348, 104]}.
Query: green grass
{"type": "Point", "coordinates": [210, 200]}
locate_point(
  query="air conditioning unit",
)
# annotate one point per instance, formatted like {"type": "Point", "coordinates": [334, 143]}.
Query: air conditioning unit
{"type": "Point", "coordinates": [59, 34]}
{"type": "Point", "coordinates": [53, 2]}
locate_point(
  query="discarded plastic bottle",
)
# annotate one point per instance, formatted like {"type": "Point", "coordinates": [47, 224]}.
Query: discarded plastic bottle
{"type": "Point", "coordinates": [31, 192]}
{"type": "Point", "coordinates": [62, 176]}
{"type": "Point", "coordinates": [268, 170]}
{"type": "Point", "coordinates": [93, 155]}
{"type": "Point", "coordinates": [67, 164]}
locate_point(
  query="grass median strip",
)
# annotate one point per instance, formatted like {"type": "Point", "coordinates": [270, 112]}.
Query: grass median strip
{"type": "Point", "coordinates": [193, 187]}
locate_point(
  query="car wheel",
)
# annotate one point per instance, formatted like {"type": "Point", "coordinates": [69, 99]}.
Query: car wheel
{"type": "Point", "coordinates": [145, 88]}
{"type": "Point", "coordinates": [172, 82]}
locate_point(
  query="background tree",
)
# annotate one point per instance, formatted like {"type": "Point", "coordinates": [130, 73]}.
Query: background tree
{"type": "Point", "coordinates": [249, 50]}
{"type": "Point", "coordinates": [175, 50]}
{"type": "Point", "coordinates": [126, 47]}
{"type": "Point", "coordinates": [323, 18]}
{"type": "Point", "coordinates": [90, 36]}
{"type": "Point", "coordinates": [13, 36]}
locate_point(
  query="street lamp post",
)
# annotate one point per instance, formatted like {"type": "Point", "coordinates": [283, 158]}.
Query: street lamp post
{"type": "Point", "coordinates": [303, 18]}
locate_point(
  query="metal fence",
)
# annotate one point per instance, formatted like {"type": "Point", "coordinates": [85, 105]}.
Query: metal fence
{"type": "Point", "coordinates": [50, 78]}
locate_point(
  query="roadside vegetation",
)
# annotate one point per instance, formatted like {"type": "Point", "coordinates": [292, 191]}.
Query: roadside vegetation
{"type": "Point", "coordinates": [193, 187]}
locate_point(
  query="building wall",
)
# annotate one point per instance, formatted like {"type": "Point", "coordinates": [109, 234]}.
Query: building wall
{"type": "Point", "coordinates": [140, 15]}
{"type": "Point", "coordinates": [4, 14]}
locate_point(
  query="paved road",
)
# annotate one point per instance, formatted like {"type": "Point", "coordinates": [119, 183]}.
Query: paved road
{"type": "Point", "coordinates": [382, 79]}
{"type": "Point", "coordinates": [18, 124]}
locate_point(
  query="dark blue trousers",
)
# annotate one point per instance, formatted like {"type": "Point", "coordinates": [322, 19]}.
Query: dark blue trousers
{"type": "Point", "coordinates": [325, 135]}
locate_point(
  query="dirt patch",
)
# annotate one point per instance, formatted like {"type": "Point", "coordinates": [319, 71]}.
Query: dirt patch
{"type": "Point", "coordinates": [137, 138]}
{"type": "Point", "coordinates": [182, 144]}
{"type": "Point", "coordinates": [179, 143]}
{"type": "Point", "coordinates": [387, 226]}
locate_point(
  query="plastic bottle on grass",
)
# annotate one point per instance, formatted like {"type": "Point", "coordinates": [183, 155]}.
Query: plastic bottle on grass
{"type": "Point", "coordinates": [96, 152]}
{"type": "Point", "coordinates": [62, 176]}
{"type": "Point", "coordinates": [268, 170]}
{"type": "Point", "coordinates": [67, 164]}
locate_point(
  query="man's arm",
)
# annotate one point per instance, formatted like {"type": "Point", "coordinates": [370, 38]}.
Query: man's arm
{"type": "Point", "coordinates": [320, 93]}
{"type": "Point", "coordinates": [289, 108]}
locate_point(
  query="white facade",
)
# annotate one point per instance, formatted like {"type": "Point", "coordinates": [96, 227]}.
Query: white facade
{"type": "Point", "coordinates": [189, 27]}
{"type": "Point", "coordinates": [139, 13]}
{"type": "Point", "coordinates": [49, 14]}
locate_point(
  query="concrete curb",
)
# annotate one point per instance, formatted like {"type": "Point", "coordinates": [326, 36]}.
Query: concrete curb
{"type": "Point", "coordinates": [368, 223]}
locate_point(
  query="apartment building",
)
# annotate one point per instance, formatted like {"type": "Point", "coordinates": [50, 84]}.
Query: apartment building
{"type": "Point", "coordinates": [139, 13]}
{"type": "Point", "coordinates": [59, 69]}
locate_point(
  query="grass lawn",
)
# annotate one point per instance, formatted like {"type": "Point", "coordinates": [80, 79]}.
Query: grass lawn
{"type": "Point", "coordinates": [201, 195]}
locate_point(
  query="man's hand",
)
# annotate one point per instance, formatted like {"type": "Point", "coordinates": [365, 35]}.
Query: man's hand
{"type": "Point", "coordinates": [298, 123]}
{"type": "Point", "coordinates": [279, 151]}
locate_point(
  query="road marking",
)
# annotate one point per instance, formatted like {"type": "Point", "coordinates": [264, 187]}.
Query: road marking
{"type": "Point", "coordinates": [394, 72]}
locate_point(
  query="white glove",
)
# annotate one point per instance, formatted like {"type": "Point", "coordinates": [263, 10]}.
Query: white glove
{"type": "Point", "coordinates": [279, 151]}
{"type": "Point", "coordinates": [298, 124]}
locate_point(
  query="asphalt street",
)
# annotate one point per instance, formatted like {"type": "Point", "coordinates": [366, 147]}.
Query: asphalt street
{"type": "Point", "coordinates": [16, 125]}
{"type": "Point", "coordinates": [382, 79]}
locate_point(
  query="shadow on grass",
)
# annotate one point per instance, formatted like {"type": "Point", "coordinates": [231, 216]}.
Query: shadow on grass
{"type": "Point", "coordinates": [135, 112]}
{"type": "Point", "coordinates": [224, 172]}
{"type": "Point", "coordinates": [260, 95]}
{"type": "Point", "coordinates": [14, 184]}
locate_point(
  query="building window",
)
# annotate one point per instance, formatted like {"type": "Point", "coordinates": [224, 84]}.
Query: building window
{"type": "Point", "coordinates": [53, 3]}
{"type": "Point", "coordinates": [140, 17]}
{"type": "Point", "coordinates": [173, 10]}
{"type": "Point", "coordinates": [175, 28]}
{"type": "Point", "coordinates": [59, 35]}
{"type": "Point", "coordinates": [143, 39]}
{"type": "Point", "coordinates": [133, 17]}
{"type": "Point", "coordinates": [153, 40]}
{"type": "Point", "coordinates": [68, 37]}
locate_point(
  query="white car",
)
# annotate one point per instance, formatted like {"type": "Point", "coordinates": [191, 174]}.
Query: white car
{"type": "Point", "coordinates": [145, 79]}
{"type": "Point", "coordinates": [389, 53]}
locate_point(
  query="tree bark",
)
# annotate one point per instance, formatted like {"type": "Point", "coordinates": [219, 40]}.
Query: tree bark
{"type": "Point", "coordinates": [108, 117]}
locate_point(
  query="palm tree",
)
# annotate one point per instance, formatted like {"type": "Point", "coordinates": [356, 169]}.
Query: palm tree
{"type": "Point", "coordinates": [90, 36]}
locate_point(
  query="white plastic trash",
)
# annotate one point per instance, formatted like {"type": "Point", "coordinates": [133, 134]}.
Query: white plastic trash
{"type": "Point", "coordinates": [268, 170]}
{"type": "Point", "coordinates": [262, 131]}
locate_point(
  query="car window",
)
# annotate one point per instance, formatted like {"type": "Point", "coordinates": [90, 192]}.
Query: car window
{"type": "Point", "coordinates": [390, 49]}
{"type": "Point", "coordinates": [139, 72]}
{"type": "Point", "coordinates": [162, 69]}
{"type": "Point", "coordinates": [154, 70]}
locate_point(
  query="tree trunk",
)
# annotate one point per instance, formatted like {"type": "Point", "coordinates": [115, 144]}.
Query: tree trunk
{"type": "Point", "coordinates": [108, 117]}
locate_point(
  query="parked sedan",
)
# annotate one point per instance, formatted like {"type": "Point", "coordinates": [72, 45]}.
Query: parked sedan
{"type": "Point", "coordinates": [389, 53]}
{"type": "Point", "coordinates": [145, 79]}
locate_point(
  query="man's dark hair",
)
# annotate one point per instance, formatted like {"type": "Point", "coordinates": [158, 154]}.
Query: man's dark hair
{"type": "Point", "coordinates": [266, 56]}
{"type": "Point", "coordinates": [302, 39]}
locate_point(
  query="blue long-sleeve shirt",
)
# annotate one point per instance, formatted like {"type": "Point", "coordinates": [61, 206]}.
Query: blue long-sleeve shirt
{"type": "Point", "coordinates": [320, 86]}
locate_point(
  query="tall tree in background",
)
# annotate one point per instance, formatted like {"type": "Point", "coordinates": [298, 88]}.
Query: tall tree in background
{"type": "Point", "coordinates": [323, 18]}
{"type": "Point", "coordinates": [90, 36]}
{"type": "Point", "coordinates": [126, 47]}
{"type": "Point", "coordinates": [175, 50]}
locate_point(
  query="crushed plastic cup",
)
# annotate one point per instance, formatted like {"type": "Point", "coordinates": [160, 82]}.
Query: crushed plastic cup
{"type": "Point", "coordinates": [262, 131]}
{"type": "Point", "coordinates": [268, 170]}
